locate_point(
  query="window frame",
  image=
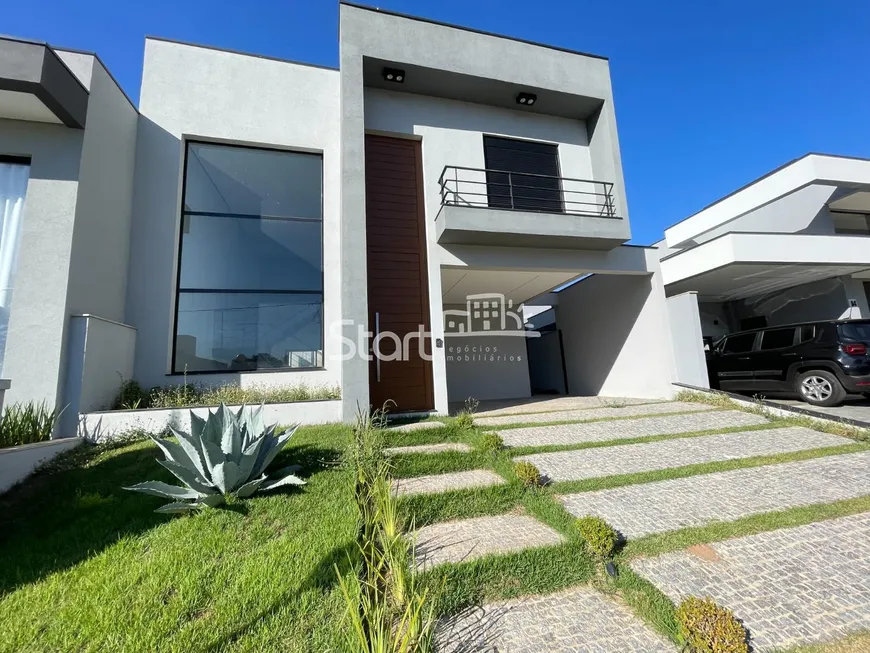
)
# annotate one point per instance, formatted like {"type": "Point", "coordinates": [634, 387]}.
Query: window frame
{"type": "Point", "coordinates": [186, 143]}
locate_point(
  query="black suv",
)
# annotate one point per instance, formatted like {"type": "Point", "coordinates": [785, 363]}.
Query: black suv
{"type": "Point", "coordinates": [820, 361]}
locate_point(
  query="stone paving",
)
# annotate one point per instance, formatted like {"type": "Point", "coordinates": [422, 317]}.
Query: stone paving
{"type": "Point", "coordinates": [638, 510]}
{"type": "Point", "coordinates": [567, 434]}
{"type": "Point", "coordinates": [438, 483]}
{"type": "Point", "coordinates": [540, 404]}
{"type": "Point", "coordinates": [468, 539]}
{"type": "Point", "coordinates": [589, 414]}
{"type": "Point", "coordinates": [415, 426]}
{"type": "Point", "coordinates": [574, 621]}
{"type": "Point", "coordinates": [634, 458]}
{"type": "Point", "coordinates": [790, 586]}
{"type": "Point", "coordinates": [428, 448]}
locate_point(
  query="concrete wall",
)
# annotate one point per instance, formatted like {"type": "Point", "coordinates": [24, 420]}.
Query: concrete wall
{"type": "Point", "coordinates": [202, 94]}
{"type": "Point", "coordinates": [80, 193]}
{"type": "Point", "coordinates": [101, 238]}
{"type": "Point", "coordinates": [801, 212]}
{"type": "Point", "coordinates": [486, 367]}
{"type": "Point", "coordinates": [616, 334]}
{"type": "Point", "coordinates": [690, 365]}
{"type": "Point", "coordinates": [99, 359]}
{"type": "Point", "coordinates": [35, 341]}
{"type": "Point", "coordinates": [102, 426]}
{"type": "Point", "coordinates": [17, 463]}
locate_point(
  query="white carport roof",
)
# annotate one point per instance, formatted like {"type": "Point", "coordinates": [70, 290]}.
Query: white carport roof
{"type": "Point", "coordinates": [839, 174]}
{"type": "Point", "coordinates": [737, 265]}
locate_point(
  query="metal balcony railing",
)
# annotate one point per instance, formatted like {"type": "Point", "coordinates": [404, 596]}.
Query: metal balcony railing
{"type": "Point", "coordinates": [521, 191]}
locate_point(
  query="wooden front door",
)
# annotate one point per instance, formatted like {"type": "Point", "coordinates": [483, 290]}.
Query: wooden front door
{"type": "Point", "coordinates": [398, 285]}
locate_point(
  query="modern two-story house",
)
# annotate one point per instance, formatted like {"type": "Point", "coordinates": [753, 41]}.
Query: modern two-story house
{"type": "Point", "coordinates": [375, 227]}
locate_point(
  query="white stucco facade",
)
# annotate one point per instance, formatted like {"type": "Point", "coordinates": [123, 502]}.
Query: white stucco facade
{"type": "Point", "coordinates": [114, 195]}
{"type": "Point", "coordinates": [200, 94]}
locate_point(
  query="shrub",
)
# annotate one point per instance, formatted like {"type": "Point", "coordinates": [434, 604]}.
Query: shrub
{"type": "Point", "coordinates": [224, 455]}
{"type": "Point", "coordinates": [600, 536]}
{"type": "Point", "coordinates": [130, 397]}
{"type": "Point", "coordinates": [491, 441]}
{"type": "Point", "coordinates": [465, 417]}
{"type": "Point", "coordinates": [26, 423]}
{"type": "Point", "coordinates": [709, 628]}
{"type": "Point", "coordinates": [527, 473]}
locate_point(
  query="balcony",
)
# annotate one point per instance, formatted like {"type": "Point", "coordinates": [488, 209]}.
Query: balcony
{"type": "Point", "coordinates": [512, 209]}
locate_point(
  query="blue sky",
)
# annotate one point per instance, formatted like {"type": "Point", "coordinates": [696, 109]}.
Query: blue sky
{"type": "Point", "coordinates": [709, 94]}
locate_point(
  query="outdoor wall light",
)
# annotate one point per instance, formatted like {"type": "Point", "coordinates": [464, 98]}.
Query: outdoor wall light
{"type": "Point", "coordinates": [394, 75]}
{"type": "Point", "coordinates": [527, 98]}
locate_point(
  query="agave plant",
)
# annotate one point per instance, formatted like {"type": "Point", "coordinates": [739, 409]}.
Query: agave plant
{"type": "Point", "coordinates": [224, 455]}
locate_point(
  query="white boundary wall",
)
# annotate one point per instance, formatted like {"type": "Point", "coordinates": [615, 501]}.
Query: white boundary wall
{"type": "Point", "coordinates": [98, 427]}
{"type": "Point", "coordinates": [17, 463]}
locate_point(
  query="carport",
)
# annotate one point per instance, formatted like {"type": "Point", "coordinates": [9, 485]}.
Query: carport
{"type": "Point", "coordinates": [608, 319]}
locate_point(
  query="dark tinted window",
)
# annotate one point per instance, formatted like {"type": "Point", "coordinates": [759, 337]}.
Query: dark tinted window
{"type": "Point", "coordinates": [860, 332]}
{"type": "Point", "coordinates": [533, 183]}
{"type": "Point", "coordinates": [250, 291]}
{"type": "Point", "coordinates": [777, 338]}
{"type": "Point", "coordinates": [829, 333]}
{"type": "Point", "coordinates": [738, 344]}
{"type": "Point", "coordinates": [807, 333]}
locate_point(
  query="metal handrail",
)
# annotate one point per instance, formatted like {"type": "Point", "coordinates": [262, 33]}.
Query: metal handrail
{"type": "Point", "coordinates": [460, 188]}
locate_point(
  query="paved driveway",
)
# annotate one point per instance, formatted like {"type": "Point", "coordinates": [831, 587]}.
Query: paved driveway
{"type": "Point", "coordinates": [856, 407]}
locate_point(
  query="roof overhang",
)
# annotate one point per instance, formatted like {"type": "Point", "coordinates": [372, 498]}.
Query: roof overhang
{"type": "Point", "coordinates": [738, 265]}
{"type": "Point", "coordinates": [844, 173]}
{"type": "Point", "coordinates": [35, 85]}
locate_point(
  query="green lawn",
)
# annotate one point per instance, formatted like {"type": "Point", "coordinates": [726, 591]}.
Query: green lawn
{"type": "Point", "coordinates": [88, 566]}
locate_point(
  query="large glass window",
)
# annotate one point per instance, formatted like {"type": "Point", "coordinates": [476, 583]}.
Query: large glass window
{"type": "Point", "coordinates": [250, 281]}
{"type": "Point", "coordinates": [14, 174]}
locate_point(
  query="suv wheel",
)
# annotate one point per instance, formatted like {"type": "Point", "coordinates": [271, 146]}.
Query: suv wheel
{"type": "Point", "coordinates": [820, 388]}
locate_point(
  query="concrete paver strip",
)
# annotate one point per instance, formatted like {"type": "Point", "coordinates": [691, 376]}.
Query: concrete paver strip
{"type": "Point", "coordinates": [589, 414]}
{"type": "Point", "coordinates": [567, 434]}
{"type": "Point", "coordinates": [415, 426]}
{"type": "Point", "coordinates": [790, 587]}
{"type": "Point", "coordinates": [437, 483]}
{"type": "Point", "coordinates": [574, 621]}
{"type": "Point", "coordinates": [468, 539]}
{"type": "Point", "coordinates": [645, 457]}
{"type": "Point", "coordinates": [638, 510]}
{"type": "Point", "coordinates": [428, 448]}
{"type": "Point", "coordinates": [539, 405]}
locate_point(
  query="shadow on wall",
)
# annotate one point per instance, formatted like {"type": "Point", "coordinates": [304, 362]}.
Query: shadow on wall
{"type": "Point", "coordinates": [598, 317]}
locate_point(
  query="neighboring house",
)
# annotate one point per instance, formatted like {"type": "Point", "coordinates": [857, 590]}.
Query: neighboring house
{"type": "Point", "coordinates": [789, 247]}
{"type": "Point", "coordinates": [441, 177]}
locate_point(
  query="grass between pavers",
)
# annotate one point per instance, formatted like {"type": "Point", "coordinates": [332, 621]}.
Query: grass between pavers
{"type": "Point", "coordinates": [858, 643]}
{"type": "Point", "coordinates": [562, 422]}
{"type": "Point", "coordinates": [409, 465]}
{"type": "Point", "coordinates": [88, 566]}
{"type": "Point", "coordinates": [607, 482]}
{"type": "Point", "coordinates": [675, 540]}
{"type": "Point", "coordinates": [721, 400]}
{"type": "Point", "coordinates": [548, 570]}
{"type": "Point", "coordinates": [533, 571]}
{"type": "Point", "coordinates": [605, 403]}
